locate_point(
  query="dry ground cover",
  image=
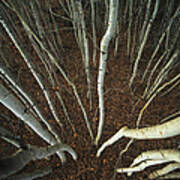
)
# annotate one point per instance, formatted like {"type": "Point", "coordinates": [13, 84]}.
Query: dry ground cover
{"type": "Point", "coordinates": [119, 105]}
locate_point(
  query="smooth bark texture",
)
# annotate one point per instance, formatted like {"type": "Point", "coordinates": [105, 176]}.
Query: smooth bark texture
{"type": "Point", "coordinates": [165, 170]}
{"type": "Point", "coordinates": [113, 12]}
{"type": "Point", "coordinates": [154, 157]}
{"type": "Point", "coordinates": [161, 131]}
{"type": "Point", "coordinates": [17, 161]}
{"type": "Point", "coordinates": [33, 175]}
{"type": "Point", "coordinates": [53, 60]}
{"type": "Point", "coordinates": [13, 104]}
{"type": "Point", "coordinates": [141, 48]}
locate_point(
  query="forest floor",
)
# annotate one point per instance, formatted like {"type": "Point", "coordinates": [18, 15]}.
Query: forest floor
{"type": "Point", "coordinates": [119, 103]}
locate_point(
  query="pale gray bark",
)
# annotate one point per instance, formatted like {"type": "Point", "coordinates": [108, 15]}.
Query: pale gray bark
{"type": "Point", "coordinates": [159, 44]}
{"type": "Point", "coordinates": [160, 131]}
{"type": "Point", "coordinates": [12, 79]}
{"type": "Point", "coordinates": [33, 175]}
{"type": "Point", "coordinates": [113, 13]}
{"type": "Point", "coordinates": [143, 43]}
{"type": "Point", "coordinates": [10, 138]}
{"type": "Point", "coordinates": [15, 105]}
{"type": "Point", "coordinates": [165, 170]}
{"type": "Point", "coordinates": [52, 59]}
{"type": "Point", "coordinates": [84, 46]}
{"type": "Point", "coordinates": [154, 157]}
{"type": "Point", "coordinates": [130, 2]}
{"type": "Point", "coordinates": [17, 161]}
{"type": "Point", "coordinates": [93, 30]}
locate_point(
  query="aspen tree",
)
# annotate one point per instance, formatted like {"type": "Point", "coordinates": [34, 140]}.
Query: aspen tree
{"type": "Point", "coordinates": [113, 13]}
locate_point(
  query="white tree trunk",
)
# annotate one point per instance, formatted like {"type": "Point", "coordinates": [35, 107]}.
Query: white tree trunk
{"type": "Point", "coordinates": [161, 131]}
{"type": "Point", "coordinates": [143, 43]}
{"type": "Point", "coordinates": [154, 157]}
{"type": "Point", "coordinates": [113, 13]}
{"type": "Point", "coordinates": [14, 105]}
{"type": "Point", "coordinates": [17, 161]}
